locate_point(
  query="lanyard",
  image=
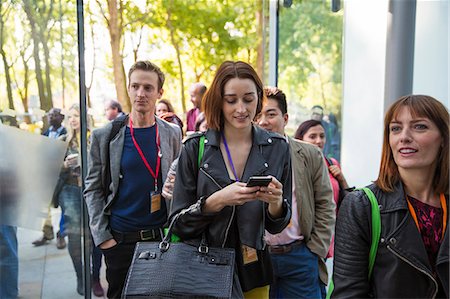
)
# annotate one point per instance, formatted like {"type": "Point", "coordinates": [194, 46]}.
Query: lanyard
{"type": "Point", "coordinates": [154, 174]}
{"type": "Point", "coordinates": [444, 216]}
{"type": "Point", "coordinates": [229, 158]}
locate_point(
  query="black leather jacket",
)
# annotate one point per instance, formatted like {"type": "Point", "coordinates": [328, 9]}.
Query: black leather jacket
{"type": "Point", "coordinates": [402, 268]}
{"type": "Point", "coordinates": [269, 155]}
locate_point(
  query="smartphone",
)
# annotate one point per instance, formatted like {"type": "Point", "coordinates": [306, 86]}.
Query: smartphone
{"type": "Point", "coordinates": [262, 181]}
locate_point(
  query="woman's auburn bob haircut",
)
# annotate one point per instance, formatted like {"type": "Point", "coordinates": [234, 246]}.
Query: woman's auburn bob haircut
{"type": "Point", "coordinates": [212, 102]}
{"type": "Point", "coordinates": [419, 106]}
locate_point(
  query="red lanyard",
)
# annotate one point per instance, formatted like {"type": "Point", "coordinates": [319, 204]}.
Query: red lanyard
{"type": "Point", "coordinates": [154, 174]}
{"type": "Point", "coordinates": [444, 216]}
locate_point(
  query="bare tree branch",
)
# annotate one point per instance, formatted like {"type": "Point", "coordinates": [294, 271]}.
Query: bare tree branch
{"type": "Point", "coordinates": [102, 12]}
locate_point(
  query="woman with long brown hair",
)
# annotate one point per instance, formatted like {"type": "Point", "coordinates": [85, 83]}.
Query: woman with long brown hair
{"type": "Point", "coordinates": [230, 213]}
{"type": "Point", "coordinates": [412, 190]}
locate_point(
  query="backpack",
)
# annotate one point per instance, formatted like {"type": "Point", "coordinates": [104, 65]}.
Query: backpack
{"type": "Point", "coordinates": [117, 124]}
{"type": "Point", "coordinates": [376, 232]}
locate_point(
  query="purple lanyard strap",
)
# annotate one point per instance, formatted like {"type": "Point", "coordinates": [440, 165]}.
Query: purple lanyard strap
{"type": "Point", "coordinates": [229, 158]}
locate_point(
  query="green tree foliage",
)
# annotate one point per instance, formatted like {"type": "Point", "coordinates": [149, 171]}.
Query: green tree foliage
{"type": "Point", "coordinates": [189, 39]}
{"type": "Point", "coordinates": [204, 34]}
{"type": "Point", "coordinates": [310, 54]}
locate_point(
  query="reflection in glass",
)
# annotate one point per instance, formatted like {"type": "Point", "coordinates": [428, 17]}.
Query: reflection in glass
{"type": "Point", "coordinates": [29, 168]}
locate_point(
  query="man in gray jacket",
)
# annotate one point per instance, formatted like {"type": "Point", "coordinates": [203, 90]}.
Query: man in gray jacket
{"type": "Point", "coordinates": [132, 210]}
{"type": "Point", "coordinates": [299, 251]}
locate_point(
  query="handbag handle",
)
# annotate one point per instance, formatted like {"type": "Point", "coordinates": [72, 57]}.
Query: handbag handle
{"type": "Point", "coordinates": [165, 243]}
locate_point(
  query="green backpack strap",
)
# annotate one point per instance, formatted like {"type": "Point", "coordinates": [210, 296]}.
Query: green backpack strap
{"type": "Point", "coordinates": [376, 233]}
{"type": "Point", "coordinates": [376, 228]}
{"type": "Point", "coordinates": [201, 149]}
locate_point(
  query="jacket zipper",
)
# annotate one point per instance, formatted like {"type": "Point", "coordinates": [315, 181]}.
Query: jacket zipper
{"type": "Point", "coordinates": [233, 208]}
{"type": "Point", "coordinates": [415, 267]}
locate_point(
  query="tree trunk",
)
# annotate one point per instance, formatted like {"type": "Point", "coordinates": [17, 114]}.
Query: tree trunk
{"type": "Point", "coordinates": [48, 85]}
{"type": "Point", "coordinates": [5, 64]}
{"type": "Point", "coordinates": [8, 79]}
{"type": "Point", "coordinates": [26, 79]}
{"type": "Point", "coordinates": [23, 92]}
{"type": "Point", "coordinates": [94, 61]}
{"type": "Point", "coordinates": [45, 103]}
{"type": "Point", "coordinates": [115, 33]}
{"type": "Point", "coordinates": [177, 49]}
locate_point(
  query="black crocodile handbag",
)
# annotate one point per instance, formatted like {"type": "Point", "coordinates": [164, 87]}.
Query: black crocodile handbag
{"type": "Point", "coordinates": [179, 270]}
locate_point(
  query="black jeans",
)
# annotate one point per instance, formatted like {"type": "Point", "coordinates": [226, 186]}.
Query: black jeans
{"type": "Point", "coordinates": [118, 260]}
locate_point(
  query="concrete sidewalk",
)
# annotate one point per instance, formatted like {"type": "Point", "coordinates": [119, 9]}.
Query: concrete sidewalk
{"type": "Point", "coordinates": [46, 272]}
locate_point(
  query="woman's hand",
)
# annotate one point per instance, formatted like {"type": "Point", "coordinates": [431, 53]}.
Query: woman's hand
{"type": "Point", "coordinates": [167, 190]}
{"type": "Point", "coordinates": [337, 173]}
{"type": "Point", "coordinates": [235, 194]}
{"type": "Point", "coordinates": [71, 161]}
{"type": "Point", "coordinates": [273, 195]}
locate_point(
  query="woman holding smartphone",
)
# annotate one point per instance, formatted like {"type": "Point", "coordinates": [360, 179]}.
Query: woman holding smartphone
{"type": "Point", "coordinates": [224, 208]}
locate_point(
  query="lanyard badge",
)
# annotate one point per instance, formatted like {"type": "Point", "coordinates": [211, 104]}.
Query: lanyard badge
{"type": "Point", "coordinates": [155, 195]}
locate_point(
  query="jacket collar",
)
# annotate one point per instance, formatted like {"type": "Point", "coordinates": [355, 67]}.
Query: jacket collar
{"type": "Point", "coordinates": [260, 136]}
{"type": "Point", "coordinates": [397, 198]}
{"type": "Point", "coordinates": [394, 200]}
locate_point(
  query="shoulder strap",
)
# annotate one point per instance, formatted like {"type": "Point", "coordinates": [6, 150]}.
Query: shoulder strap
{"type": "Point", "coordinates": [329, 161]}
{"type": "Point", "coordinates": [376, 232]}
{"type": "Point", "coordinates": [376, 228]}
{"type": "Point", "coordinates": [168, 231]}
{"type": "Point", "coordinates": [201, 149]}
{"type": "Point", "coordinates": [117, 124]}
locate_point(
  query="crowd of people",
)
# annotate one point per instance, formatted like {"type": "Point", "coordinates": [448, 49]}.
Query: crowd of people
{"type": "Point", "coordinates": [281, 252]}
{"type": "Point", "coordinates": [144, 170]}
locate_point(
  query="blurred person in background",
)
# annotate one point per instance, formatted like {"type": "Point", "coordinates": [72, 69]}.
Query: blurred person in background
{"type": "Point", "coordinates": [332, 147]}
{"type": "Point", "coordinates": [412, 188]}
{"type": "Point", "coordinates": [55, 131]}
{"type": "Point", "coordinates": [164, 110]}
{"type": "Point", "coordinates": [113, 110]}
{"type": "Point", "coordinates": [163, 106]}
{"type": "Point", "coordinates": [312, 131]}
{"type": "Point", "coordinates": [9, 255]}
{"type": "Point", "coordinates": [196, 91]}
{"type": "Point", "coordinates": [200, 124]}
{"type": "Point", "coordinates": [55, 119]}
{"type": "Point", "coordinates": [9, 260]}
{"type": "Point", "coordinates": [70, 200]}
{"type": "Point", "coordinates": [337, 150]}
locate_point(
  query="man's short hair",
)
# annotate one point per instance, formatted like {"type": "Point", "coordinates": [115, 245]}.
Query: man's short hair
{"type": "Point", "coordinates": [317, 112]}
{"type": "Point", "coordinates": [55, 111]}
{"type": "Point", "coordinates": [317, 107]}
{"type": "Point", "coordinates": [278, 96]}
{"type": "Point", "coordinates": [148, 66]}
{"type": "Point", "coordinates": [115, 105]}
